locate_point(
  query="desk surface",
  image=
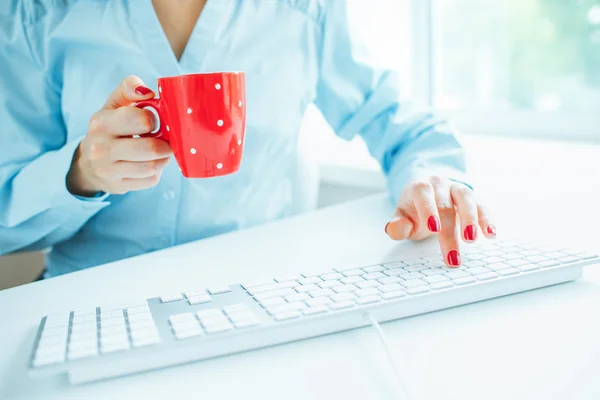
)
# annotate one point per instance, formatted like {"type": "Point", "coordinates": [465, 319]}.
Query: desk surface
{"type": "Point", "coordinates": [543, 344]}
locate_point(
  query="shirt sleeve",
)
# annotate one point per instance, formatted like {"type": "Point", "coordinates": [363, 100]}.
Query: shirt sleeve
{"type": "Point", "coordinates": [36, 209]}
{"type": "Point", "coordinates": [357, 96]}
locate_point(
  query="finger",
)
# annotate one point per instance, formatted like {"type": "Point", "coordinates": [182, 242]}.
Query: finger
{"type": "Point", "coordinates": [125, 121]}
{"type": "Point", "coordinates": [464, 199]}
{"type": "Point", "coordinates": [423, 195]}
{"type": "Point", "coordinates": [400, 228]}
{"type": "Point", "coordinates": [133, 184]}
{"type": "Point", "coordinates": [138, 170]}
{"type": "Point", "coordinates": [142, 149]}
{"type": "Point", "coordinates": [488, 229]}
{"type": "Point", "coordinates": [447, 237]}
{"type": "Point", "coordinates": [130, 90]}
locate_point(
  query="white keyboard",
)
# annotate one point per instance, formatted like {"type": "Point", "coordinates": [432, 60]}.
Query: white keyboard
{"type": "Point", "coordinates": [176, 328]}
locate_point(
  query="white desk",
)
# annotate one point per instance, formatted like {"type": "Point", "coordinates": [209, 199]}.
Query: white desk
{"type": "Point", "coordinates": [543, 344]}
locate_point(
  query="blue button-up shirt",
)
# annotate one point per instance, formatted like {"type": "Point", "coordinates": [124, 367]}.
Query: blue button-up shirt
{"type": "Point", "coordinates": [59, 60]}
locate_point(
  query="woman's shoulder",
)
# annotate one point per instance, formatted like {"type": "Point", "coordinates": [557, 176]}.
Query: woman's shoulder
{"type": "Point", "coordinates": [314, 9]}
{"type": "Point", "coordinates": [30, 11]}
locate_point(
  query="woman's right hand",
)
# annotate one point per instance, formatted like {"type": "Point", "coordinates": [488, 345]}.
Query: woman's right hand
{"type": "Point", "coordinates": [109, 159]}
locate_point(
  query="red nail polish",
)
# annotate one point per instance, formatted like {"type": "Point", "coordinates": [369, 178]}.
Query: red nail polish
{"type": "Point", "coordinates": [433, 223]}
{"type": "Point", "coordinates": [454, 258]}
{"type": "Point", "coordinates": [470, 232]}
{"type": "Point", "coordinates": [142, 90]}
{"type": "Point", "coordinates": [491, 229]}
{"type": "Point", "coordinates": [386, 226]}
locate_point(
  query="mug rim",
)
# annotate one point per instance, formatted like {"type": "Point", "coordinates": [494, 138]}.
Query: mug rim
{"type": "Point", "coordinates": [205, 74]}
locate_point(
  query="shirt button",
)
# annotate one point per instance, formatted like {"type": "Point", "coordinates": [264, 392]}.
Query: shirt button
{"type": "Point", "coordinates": [170, 194]}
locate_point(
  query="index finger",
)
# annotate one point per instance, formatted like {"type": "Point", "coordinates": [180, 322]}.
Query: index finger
{"type": "Point", "coordinates": [130, 90]}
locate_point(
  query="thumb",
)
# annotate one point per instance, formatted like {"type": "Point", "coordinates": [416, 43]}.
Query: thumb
{"type": "Point", "coordinates": [400, 228]}
{"type": "Point", "coordinates": [130, 90]}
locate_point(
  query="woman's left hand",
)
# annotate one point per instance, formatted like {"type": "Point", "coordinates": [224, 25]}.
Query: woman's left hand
{"type": "Point", "coordinates": [434, 205]}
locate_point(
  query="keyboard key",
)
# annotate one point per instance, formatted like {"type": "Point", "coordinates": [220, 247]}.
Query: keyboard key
{"type": "Point", "coordinates": [352, 272]}
{"type": "Point", "coordinates": [239, 316]}
{"type": "Point", "coordinates": [333, 275]}
{"type": "Point", "coordinates": [456, 274]}
{"type": "Point", "coordinates": [208, 313]}
{"type": "Point", "coordinates": [555, 254]}
{"type": "Point", "coordinates": [352, 279]}
{"type": "Point", "coordinates": [367, 292]}
{"type": "Point", "coordinates": [508, 271]}
{"type": "Point", "coordinates": [433, 271]}
{"type": "Point", "coordinates": [417, 290]}
{"type": "Point", "coordinates": [329, 284]}
{"type": "Point", "coordinates": [195, 293]}
{"type": "Point", "coordinates": [43, 361]}
{"type": "Point", "coordinates": [245, 323]}
{"type": "Point", "coordinates": [279, 308]}
{"type": "Point", "coordinates": [114, 347]}
{"type": "Point", "coordinates": [464, 281]}
{"type": "Point", "coordinates": [530, 252]}
{"type": "Point", "coordinates": [513, 263]}
{"type": "Point", "coordinates": [411, 275]}
{"type": "Point", "coordinates": [287, 315]}
{"type": "Point", "coordinates": [368, 300]}
{"type": "Point", "coordinates": [312, 279]}
{"type": "Point", "coordinates": [342, 297]}
{"type": "Point", "coordinates": [318, 301]}
{"type": "Point", "coordinates": [171, 297]}
{"type": "Point", "coordinates": [436, 278]}
{"type": "Point", "coordinates": [373, 268]}
{"type": "Point", "coordinates": [487, 276]}
{"type": "Point", "coordinates": [548, 264]}
{"type": "Point", "coordinates": [307, 288]}
{"type": "Point", "coordinates": [274, 293]}
{"type": "Point", "coordinates": [373, 275]}
{"type": "Point", "coordinates": [219, 290]}
{"type": "Point", "coordinates": [367, 284]}
{"type": "Point", "coordinates": [272, 301]}
{"type": "Point", "coordinates": [289, 278]}
{"type": "Point", "coordinates": [394, 264]}
{"type": "Point", "coordinates": [219, 328]}
{"type": "Point", "coordinates": [478, 270]}
{"type": "Point", "coordinates": [499, 266]}
{"type": "Point", "coordinates": [321, 293]}
{"type": "Point", "coordinates": [393, 295]}
{"type": "Point", "coordinates": [442, 284]}
{"type": "Point", "coordinates": [344, 288]}
{"type": "Point", "coordinates": [528, 267]}
{"type": "Point", "coordinates": [85, 318]}
{"type": "Point", "coordinates": [414, 261]}
{"type": "Point", "coordinates": [297, 297]}
{"type": "Point", "coordinates": [57, 320]}
{"type": "Point", "coordinates": [435, 264]}
{"type": "Point", "coordinates": [315, 310]}
{"type": "Point", "coordinates": [216, 320]}
{"type": "Point", "coordinates": [391, 287]}
{"type": "Point", "coordinates": [82, 353]}
{"type": "Point", "coordinates": [298, 305]}
{"type": "Point", "coordinates": [536, 258]}
{"type": "Point", "coordinates": [185, 317]}
{"type": "Point", "coordinates": [389, 279]}
{"type": "Point", "coordinates": [394, 272]}
{"type": "Point", "coordinates": [189, 333]}
{"type": "Point", "coordinates": [201, 299]}
{"type": "Point", "coordinates": [341, 305]}
{"type": "Point", "coordinates": [413, 283]}
{"type": "Point", "coordinates": [512, 256]}
{"type": "Point", "coordinates": [137, 310]}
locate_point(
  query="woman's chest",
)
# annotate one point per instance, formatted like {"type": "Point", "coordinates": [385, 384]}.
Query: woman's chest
{"type": "Point", "coordinates": [93, 48]}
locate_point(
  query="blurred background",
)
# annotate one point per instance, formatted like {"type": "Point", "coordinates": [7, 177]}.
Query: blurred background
{"type": "Point", "coordinates": [519, 79]}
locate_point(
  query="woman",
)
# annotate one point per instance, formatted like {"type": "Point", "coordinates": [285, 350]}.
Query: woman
{"type": "Point", "coordinates": [71, 176]}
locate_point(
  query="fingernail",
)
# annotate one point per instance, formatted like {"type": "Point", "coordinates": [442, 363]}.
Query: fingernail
{"type": "Point", "coordinates": [433, 223]}
{"type": "Point", "coordinates": [470, 232]}
{"type": "Point", "coordinates": [454, 258]}
{"type": "Point", "coordinates": [491, 229]}
{"type": "Point", "coordinates": [143, 90]}
{"type": "Point", "coordinates": [386, 226]}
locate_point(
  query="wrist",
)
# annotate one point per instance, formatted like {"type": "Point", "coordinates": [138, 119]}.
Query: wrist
{"type": "Point", "coordinates": [76, 182]}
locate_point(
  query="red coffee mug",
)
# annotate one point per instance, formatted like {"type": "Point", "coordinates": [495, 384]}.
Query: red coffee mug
{"type": "Point", "coordinates": [203, 118]}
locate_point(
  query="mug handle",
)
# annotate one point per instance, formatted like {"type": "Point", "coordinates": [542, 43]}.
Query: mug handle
{"type": "Point", "coordinates": [162, 133]}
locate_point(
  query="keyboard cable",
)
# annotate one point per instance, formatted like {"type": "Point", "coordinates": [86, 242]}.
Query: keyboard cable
{"type": "Point", "coordinates": [384, 342]}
